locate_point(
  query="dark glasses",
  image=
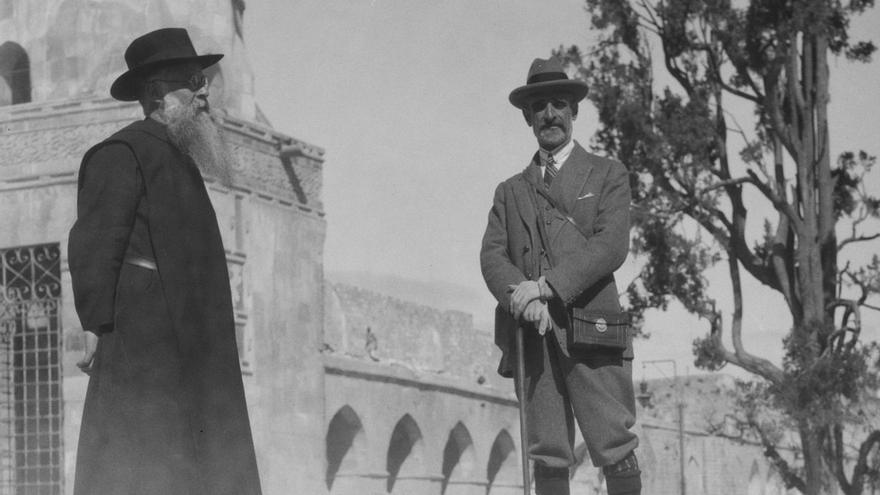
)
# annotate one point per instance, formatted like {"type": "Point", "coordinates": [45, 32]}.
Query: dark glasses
{"type": "Point", "coordinates": [196, 82]}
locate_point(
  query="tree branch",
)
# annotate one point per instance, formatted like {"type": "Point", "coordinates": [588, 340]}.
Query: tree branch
{"type": "Point", "coordinates": [773, 106]}
{"type": "Point", "coordinates": [741, 357]}
{"type": "Point", "coordinates": [835, 455]}
{"type": "Point", "coordinates": [863, 286]}
{"type": "Point", "coordinates": [736, 92]}
{"type": "Point", "coordinates": [725, 183]}
{"type": "Point", "coordinates": [796, 102]}
{"type": "Point", "coordinates": [778, 256]}
{"type": "Point", "coordinates": [716, 70]}
{"type": "Point", "coordinates": [852, 240]}
{"type": "Point", "coordinates": [783, 240]}
{"type": "Point", "coordinates": [734, 239]}
{"type": "Point", "coordinates": [778, 202]}
{"type": "Point", "coordinates": [789, 476]}
{"type": "Point", "coordinates": [742, 70]}
{"type": "Point", "coordinates": [861, 467]}
{"type": "Point", "coordinates": [651, 15]}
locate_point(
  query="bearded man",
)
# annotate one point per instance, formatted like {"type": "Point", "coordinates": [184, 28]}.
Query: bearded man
{"type": "Point", "coordinates": [556, 233]}
{"type": "Point", "coordinates": [165, 409]}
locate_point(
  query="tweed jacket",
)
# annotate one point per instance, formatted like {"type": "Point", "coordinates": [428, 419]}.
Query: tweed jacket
{"type": "Point", "coordinates": [524, 230]}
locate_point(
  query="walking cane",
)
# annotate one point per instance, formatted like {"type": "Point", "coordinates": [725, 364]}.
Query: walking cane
{"type": "Point", "coordinates": [521, 393]}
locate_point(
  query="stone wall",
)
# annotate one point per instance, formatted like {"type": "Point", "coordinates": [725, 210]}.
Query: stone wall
{"type": "Point", "coordinates": [272, 223]}
{"type": "Point", "coordinates": [411, 335]}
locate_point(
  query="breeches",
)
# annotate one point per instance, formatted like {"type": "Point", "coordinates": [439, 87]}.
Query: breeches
{"type": "Point", "coordinates": [594, 389]}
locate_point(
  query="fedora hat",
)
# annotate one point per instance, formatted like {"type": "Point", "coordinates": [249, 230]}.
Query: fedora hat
{"type": "Point", "coordinates": [153, 50]}
{"type": "Point", "coordinates": [547, 76]}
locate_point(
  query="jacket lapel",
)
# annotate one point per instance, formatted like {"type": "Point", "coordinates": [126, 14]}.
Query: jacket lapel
{"type": "Point", "coordinates": [572, 177]}
{"type": "Point", "coordinates": [524, 203]}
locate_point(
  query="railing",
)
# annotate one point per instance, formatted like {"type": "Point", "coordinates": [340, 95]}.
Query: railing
{"type": "Point", "coordinates": [31, 412]}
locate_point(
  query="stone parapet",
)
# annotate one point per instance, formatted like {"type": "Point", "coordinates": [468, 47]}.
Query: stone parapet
{"type": "Point", "coordinates": [408, 377]}
{"type": "Point", "coordinates": [375, 327]}
{"type": "Point", "coordinates": [45, 141]}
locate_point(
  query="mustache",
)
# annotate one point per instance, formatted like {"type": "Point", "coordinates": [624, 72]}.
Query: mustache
{"type": "Point", "coordinates": [551, 123]}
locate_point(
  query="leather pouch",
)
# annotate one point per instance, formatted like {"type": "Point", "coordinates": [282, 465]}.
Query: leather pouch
{"type": "Point", "coordinates": [599, 329]}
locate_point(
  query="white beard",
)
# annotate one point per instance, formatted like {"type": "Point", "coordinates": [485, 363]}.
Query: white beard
{"type": "Point", "coordinates": [195, 134]}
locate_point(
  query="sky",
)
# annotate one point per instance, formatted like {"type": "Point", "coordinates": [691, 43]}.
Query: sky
{"type": "Point", "coordinates": [409, 100]}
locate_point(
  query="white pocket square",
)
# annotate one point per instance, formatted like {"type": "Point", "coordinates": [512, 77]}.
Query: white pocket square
{"type": "Point", "coordinates": [585, 196]}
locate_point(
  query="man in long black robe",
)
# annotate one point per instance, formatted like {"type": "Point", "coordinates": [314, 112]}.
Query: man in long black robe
{"type": "Point", "coordinates": [165, 410]}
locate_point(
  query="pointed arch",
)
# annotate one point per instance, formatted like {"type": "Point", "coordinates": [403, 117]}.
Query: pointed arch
{"type": "Point", "coordinates": [775, 485]}
{"type": "Point", "coordinates": [756, 486]}
{"type": "Point", "coordinates": [344, 443]}
{"type": "Point", "coordinates": [458, 455]}
{"type": "Point", "coordinates": [404, 450]}
{"type": "Point", "coordinates": [694, 471]}
{"type": "Point", "coordinates": [503, 466]}
{"type": "Point", "coordinates": [15, 74]}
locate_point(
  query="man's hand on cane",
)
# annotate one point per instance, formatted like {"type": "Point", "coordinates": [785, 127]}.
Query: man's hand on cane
{"type": "Point", "coordinates": [537, 312]}
{"type": "Point", "coordinates": [522, 295]}
{"type": "Point", "coordinates": [526, 292]}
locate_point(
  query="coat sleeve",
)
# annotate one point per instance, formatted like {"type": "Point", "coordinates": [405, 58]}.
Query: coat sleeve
{"type": "Point", "coordinates": [606, 249]}
{"type": "Point", "coordinates": [109, 191]}
{"type": "Point", "coordinates": [499, 270]}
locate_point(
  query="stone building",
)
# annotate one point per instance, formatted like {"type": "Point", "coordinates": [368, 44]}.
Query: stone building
{"type": "Point", "coordinates": [57, 60]}
{"type": "Point", "coordinates": [350, 392]}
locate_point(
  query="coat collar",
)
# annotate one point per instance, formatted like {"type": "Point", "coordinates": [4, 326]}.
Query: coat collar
{"type": "Point", "coordinates": [573, 175]}
{"type": "Point", "coordinates": [156, 128]}
{"type": "Point", "coordinates": [151, 127]}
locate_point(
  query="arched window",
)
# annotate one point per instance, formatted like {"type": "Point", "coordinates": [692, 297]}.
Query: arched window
{"type": "Point", "coordinates": [503, 467]}
{"type": "Point", "coordinates": [458, 457]}
{"type": "Point", "coordinates": [15, 74]}
{"type": "Point", "coordinates": [404, 451]}
{"type": "Point", "coordinates": [344, 443]}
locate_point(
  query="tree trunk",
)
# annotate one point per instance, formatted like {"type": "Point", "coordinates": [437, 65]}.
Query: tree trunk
{"type": "Point", "coordinates": [824, 182]}
{"type": "Point", "coordinates": [817, 476]}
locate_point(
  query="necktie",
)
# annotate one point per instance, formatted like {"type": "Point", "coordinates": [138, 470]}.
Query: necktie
{"type": "Point", "coordinates": [550, 169]}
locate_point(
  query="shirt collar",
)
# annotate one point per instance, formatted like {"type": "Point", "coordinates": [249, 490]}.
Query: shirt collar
{"type": "Point", "coordinates": [561, 154]}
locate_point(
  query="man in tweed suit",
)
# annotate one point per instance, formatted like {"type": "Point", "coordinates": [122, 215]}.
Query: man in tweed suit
{"type": "Point", "coordinates": [557, 231]}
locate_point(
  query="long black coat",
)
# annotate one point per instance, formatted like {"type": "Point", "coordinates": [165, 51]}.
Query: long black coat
{"type": "Point", "coordinates": [165, 410]}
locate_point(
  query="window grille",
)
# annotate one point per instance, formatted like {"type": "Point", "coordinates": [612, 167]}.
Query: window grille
{"type": "Point", "coordinates": [31, 419]}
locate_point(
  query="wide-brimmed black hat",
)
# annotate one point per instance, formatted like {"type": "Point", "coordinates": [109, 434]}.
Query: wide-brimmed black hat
{"type": "Point", "coordinates": [152, 50]}
{"type": "Point", "coordinates": [547, 76]}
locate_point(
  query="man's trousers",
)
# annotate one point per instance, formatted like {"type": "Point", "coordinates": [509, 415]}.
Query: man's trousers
{"type": "Point", "coordinates": [593, 388]}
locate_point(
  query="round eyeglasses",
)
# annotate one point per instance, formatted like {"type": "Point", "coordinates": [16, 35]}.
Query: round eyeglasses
{"type": "Point", "coordinates": [195, 82]}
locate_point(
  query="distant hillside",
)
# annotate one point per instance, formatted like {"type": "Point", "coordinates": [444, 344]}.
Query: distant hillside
{"type": "Point", "coordinates": [440, 295]}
